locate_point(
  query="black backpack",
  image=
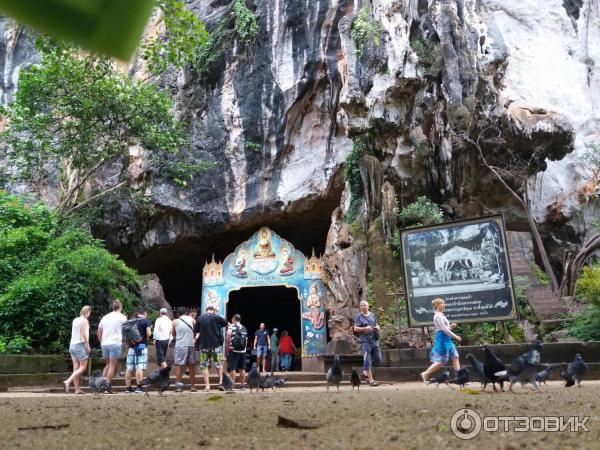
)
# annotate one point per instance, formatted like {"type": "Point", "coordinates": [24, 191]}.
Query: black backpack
{"type": "Point", "coordinates": [239, 338]}
{"type": "Point", "coordinates": [131, 332]}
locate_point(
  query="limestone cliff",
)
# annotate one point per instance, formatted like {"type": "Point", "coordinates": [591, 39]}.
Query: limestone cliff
{"type": "Point", "coordinates": [278, 120]}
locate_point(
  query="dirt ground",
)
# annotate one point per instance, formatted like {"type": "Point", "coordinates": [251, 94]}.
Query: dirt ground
{"type": "Point", "coordinates": [407, 416]}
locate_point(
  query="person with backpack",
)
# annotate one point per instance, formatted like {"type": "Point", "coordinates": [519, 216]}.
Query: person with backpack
{"type": "Point", "coordinates": [136, 333]}
{"type": "Point", "coordinates": [235, 347]}
{"type": "Point", "coordinates": [185, 354]}
{"type": "Point", "coordinates": [209, 329]}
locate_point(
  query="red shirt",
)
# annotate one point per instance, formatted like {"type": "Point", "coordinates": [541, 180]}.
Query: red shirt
{"type": "Point", "coordinates": [286, 344]}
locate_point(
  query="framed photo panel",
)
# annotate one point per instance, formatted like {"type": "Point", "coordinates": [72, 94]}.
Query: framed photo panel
{"type": "Point", "coordinates": [465, 263]}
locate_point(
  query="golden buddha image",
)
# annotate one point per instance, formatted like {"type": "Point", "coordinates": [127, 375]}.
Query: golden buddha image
{"type": "Point", "coordinates": [263, 246]}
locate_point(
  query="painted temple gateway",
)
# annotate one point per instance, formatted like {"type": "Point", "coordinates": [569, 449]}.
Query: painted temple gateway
{"type": "Point", "coordinates": [268, 260]}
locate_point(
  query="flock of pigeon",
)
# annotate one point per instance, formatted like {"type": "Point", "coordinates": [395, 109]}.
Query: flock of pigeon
{"type": "Point", "coordinates": [526, 368]}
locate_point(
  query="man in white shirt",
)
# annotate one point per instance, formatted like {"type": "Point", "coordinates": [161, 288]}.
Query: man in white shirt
{"type": "Point", "coordinates": [110, 337]}
{"type": "Point", "coordinates": [162, 336]}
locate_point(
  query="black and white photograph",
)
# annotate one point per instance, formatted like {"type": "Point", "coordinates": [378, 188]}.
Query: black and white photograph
{"type": "Point", "coordinates": [466, 264]}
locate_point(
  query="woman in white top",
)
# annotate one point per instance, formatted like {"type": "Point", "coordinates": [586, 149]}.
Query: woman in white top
{"type": "Point", "coordinates": [79, 348]}
{"type": "Point", "coordinates": [443, 347]}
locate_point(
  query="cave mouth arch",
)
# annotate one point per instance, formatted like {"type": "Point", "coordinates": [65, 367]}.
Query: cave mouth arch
{"type": "Point", "coordinates": [266, 260]}
{"type": "Point", "coordinates": [277, 306]}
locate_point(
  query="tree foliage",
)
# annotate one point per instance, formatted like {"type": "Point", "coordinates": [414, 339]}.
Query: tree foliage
{"type": "Point", "coordinates": [364, 27]}
{"type": "Point", "coordinates": [177, 46]}
{"type": "Point", "coordinates": [352, 177]}
{"type": "Point", "coordinates": [79, 112]}
{"type": "Point", "coordinates": [48, 272]}
{"type": "Point", "coordinates": [421, 212]}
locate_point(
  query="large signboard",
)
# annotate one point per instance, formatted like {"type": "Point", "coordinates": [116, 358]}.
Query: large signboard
{"type": "Point", "coordinates": [465, 263]}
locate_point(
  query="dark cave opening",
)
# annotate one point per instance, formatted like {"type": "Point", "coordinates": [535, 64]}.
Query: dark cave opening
{"type": "Point", "coordinates": [179, 266]}
{"type": "Point", "coordinates": [276, 306]}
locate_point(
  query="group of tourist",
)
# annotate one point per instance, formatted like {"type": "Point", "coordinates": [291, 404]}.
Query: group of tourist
{"type": "Point", "coordinates": [195, 340]}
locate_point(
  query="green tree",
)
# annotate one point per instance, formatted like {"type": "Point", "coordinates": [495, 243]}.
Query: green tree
{"type": "Point", "coordinates": [48, 272]}
{"type": "Point", "coordinates": [78, 112]}
{"type": "Point", "coordinates": [178, 45]}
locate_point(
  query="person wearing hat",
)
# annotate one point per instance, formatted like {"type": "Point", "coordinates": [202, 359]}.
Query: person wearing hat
{"type": "Point", "coordinates": [274, 350]}
{"type": "Point", "coordinates": [162, 336]}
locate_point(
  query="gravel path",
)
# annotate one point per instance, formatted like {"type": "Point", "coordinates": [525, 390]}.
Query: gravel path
{"type": "Point", "coordinates": [407, 415]}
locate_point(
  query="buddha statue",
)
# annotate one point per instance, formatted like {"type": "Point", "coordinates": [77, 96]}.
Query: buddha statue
{"type": "Point", "coordinates": [263, 247]}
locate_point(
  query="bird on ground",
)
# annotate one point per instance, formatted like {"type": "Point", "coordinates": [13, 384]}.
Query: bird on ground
{"type": "Point", "coordinates": [227, 382]}
{"type": "Point", "coordinates": [441, 378]}
{"type": "Point", "coordinates": [335, 374]}
{"type": "Point", "coordinates": [524, 367]}
{"type": "Point", "coordinates": [159, 378]}
{"type": "Point", "coordinates": [477, 369]}
{"type": "Point", "coordinates": [577, 369]}
{"type": "Point", "coordinates": [268, 382]}
{"type": "Point", "coordinates": [98, 383]}
{"type": "Point", "coordinates": [253, 378]}
{"type": "Point", "coordinates": [461, 378]}
{"type": "Point", "coordinates": [543, 375]}
{"type": "Point", "coordinates": [355, 379]}
{"type": "Point", "coordinates": [491, 365]}
{"type": "Point", "coordinates": [569, 381]}
{"type": "Point", "coordinates": [280, 381]}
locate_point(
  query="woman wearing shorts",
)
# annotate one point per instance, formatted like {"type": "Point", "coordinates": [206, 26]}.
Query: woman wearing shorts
{"type": "Point", "coordinates": [79, 348]}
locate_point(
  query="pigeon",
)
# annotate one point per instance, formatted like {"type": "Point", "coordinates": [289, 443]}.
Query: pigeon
{"type": "Point", "coordinates": [254, 378]}
{"type": "Point", "coordinates": [280, 381]}
{"type": "Point", "coordinates": [461, 378]}
{"type": "Point", "coordinates": [335, 373]}
{"type": "Point", "coordinates": [227, 382]}
{"type": "Point", "coordinates": [268, 382]}
{"type": "Point", "coordinates": [569, 381]}
{"type": "Point", "coordinates": [542, 376]}
{"type": "Point", "coordinates": [491, 365]}
{"type": "Point", "coordinates": [98, 383]}
{"type": "Point", "coordinates": [160, 378]}
{"type": "Point", "coordinates": [524, 367]}
{"type": "Point", "coordinates": [478, 369]}
{"type": "Point", "coordinates": [577, 369]}
{"type": "Point", "coordinates": [441, 378]}
{"type": "Point", "coordinates": [355, 379]}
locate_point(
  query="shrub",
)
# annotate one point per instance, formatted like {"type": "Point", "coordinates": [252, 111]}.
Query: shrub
{"type": "Point", "coordinates": [352, 177]}
{"type": "Point", "coordinates": [246, 25]}
{"type": "Point", "coordinates": [586, 325]}
{"type": "Point", "coordinates": [364, 27]}
{"type": "Point", "coordinates": [421, 212]}
{"type": "Point", "coordinates": [48, 273]}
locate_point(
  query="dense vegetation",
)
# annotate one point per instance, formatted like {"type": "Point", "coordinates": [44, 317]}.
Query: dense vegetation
{"type": "Point", "coordinates": [48, 272]}
{"type": "Point", "coordinates": [586, 325]}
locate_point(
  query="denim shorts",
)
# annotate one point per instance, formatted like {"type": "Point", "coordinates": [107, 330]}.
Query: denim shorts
{"type": "Point", "coordinates": [262, 350]}
{"type": "Point", "coordinates": [78, 351]}
{"type": "Point", "coordinates": [112, 351]}
{"type": "Point", "coordinates": [137, 359]}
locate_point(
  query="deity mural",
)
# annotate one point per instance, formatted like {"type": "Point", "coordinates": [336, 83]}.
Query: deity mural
{"type": "Point", "coordinates": [263, 247]}
{"type": "Point", "coordinates": [315, 314]}
{"type": "Point", "coordinates": [266, 259]}
{"type": "Point", "coordinates": [288, 263]}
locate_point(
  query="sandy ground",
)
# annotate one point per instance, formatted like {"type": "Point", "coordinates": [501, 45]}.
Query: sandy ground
{"type": "Point", "coordinates": [407, 415]}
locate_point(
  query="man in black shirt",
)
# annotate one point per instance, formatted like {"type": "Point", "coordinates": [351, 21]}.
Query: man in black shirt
{"type": "Point", "coordinates": [137, 356]}
{"type": "Point", "coordinates": [209, 329]}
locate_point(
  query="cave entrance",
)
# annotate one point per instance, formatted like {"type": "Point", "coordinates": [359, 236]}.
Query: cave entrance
{"type": "Point", "coordinates": [276, 306]}
{"type": "Point", "coordinates": [262, 280]}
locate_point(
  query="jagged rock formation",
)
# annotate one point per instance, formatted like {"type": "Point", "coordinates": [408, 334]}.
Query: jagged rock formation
{"type": "Point", "coordinates": [277, 119]}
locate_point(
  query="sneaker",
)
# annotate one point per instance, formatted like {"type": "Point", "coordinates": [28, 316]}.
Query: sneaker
{"type": "Point", "coordinates": [242, 387]}
{"type": "Point", "coordinates": [178, 387]}
{"type": "Point", "coordinates": [129, 390]}
{"type": "Point", "coordinates": [221, 388]}
{"type": "Point", "coordinates": [138, 391]}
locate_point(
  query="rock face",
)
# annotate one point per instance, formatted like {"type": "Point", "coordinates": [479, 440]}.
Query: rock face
{"type": "Point", "coordinates": [277, 119]}
{"type": "Point", "coordinates": [152, 294]}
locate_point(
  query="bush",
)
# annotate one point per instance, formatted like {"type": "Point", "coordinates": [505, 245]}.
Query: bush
{"type": "Point", "coordinates": [246, 25]}
{"type": "Point", "coordinates": [352, 177]}
{"type": "Point", "coordinates": [363, 28]}
{"type": "Point", "coordinates": [539, 273]}
{"type": "Point", "coordinates": [421, 212]}
{"type": "Point", "coordinates": [18, 344]}
{"type": "Point", "coordinates": [48, 273]}
{"type": "Point", "coordinates": [586, 324]}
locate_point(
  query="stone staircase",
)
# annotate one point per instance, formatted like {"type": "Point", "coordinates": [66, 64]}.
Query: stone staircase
{"type": "Point", "coordinates": [545, 303]}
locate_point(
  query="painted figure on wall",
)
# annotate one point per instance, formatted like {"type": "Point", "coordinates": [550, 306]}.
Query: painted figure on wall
{"type": "Point", "coordinates": [263, 246]}
{"type": "Point", "coordinates": [315, 315]}
{"type": "Point", "coordinates": [240, 264]}
{"type": "Point", "coordinates": [287, 262]}
{"type": "Point", "coordinates": [213, 300]}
